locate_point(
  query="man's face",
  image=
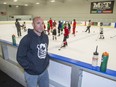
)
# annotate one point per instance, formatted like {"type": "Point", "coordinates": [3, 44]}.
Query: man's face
{"type": "Point", "coordinates": [38, 25]}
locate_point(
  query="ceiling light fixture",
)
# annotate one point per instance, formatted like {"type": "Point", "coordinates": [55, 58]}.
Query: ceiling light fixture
{"type": "Point", "coordinates": [26, 4]}
{"type": "Point", "coordinates": [52, 1]}
{"type": "Point", "coordinates": [17, 6]}
{"type": "Point", "coordinates": [4, 3]}
{"type": "Point", "coordinates": [15, 0]}
{"type": "Point", "coordinates": [37, 3]}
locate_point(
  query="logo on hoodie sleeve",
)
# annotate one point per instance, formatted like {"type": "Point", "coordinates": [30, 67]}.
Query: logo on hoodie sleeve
{"type": "Point", "coordinates": [42, 50]}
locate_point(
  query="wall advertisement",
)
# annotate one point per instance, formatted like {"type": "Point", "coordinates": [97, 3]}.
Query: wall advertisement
{"type": "Point", "coordinates": [102, 7]}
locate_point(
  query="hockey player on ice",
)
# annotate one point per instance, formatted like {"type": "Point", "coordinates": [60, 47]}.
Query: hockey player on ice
{"type": "Point", "coordinates": [66, 35]}
{"type": "Point", "coordinates": [101, 31]}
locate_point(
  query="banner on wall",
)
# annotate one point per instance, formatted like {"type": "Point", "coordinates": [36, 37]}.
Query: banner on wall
{"type": "Point", "coordinates": [80, 23]}
{"type": "Point", "coordinates": [102, 7]}
{"type": "Point", "coordinates": [95, 23]}
{"type": "Point", "coordinates": [106, 24]}
{"type": "Point", "coordinates": [115, 25]}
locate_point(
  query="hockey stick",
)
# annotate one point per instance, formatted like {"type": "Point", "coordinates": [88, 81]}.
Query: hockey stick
{"type": "Point", "coordinates": [113, 36]}
{"type": "Point", "coordinates": [97, 37]}
{"type": "Point", "coordinates": [64, 43]}
{"type": "Point", "coordinates": [61, 46]}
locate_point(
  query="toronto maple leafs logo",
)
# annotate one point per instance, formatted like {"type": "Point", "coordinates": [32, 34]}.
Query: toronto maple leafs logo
{"type": "Point", "coordinates": [41, 51]}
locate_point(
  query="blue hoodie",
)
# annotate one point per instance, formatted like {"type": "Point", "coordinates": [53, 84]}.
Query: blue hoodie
{"type": "Point", "coordinates": [32, 53]}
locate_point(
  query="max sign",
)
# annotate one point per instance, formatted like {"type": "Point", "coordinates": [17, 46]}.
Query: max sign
{"type": "Point", "coordinates": [102, 7]}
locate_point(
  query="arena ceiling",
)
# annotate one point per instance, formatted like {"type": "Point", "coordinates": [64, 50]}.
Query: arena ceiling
{"type": "Point", "coordinates": [34, 2]}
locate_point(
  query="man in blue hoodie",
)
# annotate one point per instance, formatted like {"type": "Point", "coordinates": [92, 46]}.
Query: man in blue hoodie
{"type": "Point", "coordinates": [33, 56]}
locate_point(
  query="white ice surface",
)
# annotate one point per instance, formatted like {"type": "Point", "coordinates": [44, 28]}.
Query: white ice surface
{"type": "Point", "coordinates": [80, 47]}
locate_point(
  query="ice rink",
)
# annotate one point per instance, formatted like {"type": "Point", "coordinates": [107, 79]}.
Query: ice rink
{"type": "Point", "coordinates": [80, 47]}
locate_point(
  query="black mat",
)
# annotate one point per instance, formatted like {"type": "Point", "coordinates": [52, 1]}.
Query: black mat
{"type": "Point", "coordinates": [6, 81]}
